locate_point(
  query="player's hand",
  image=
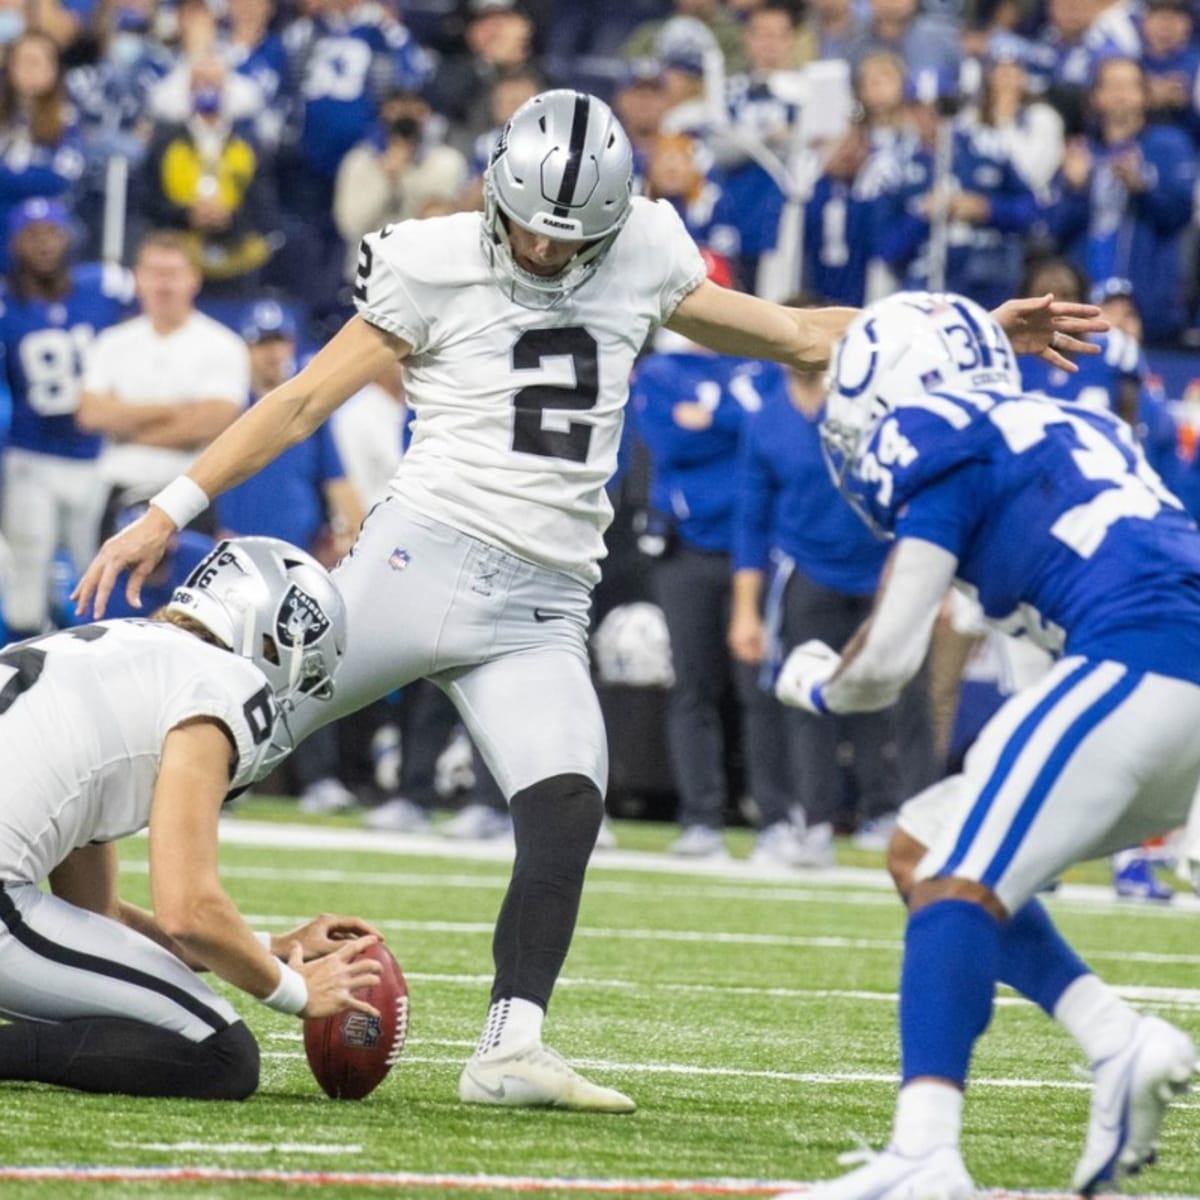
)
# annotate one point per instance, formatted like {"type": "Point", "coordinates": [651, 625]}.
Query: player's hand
{"type": "Point", "coordinates": [138, 548]}
{"type": "Point", "coordinates": [333, 978]}
{"type": "Point", "coordinates": [747, 637]}
{"type": "Point", "coordinates": [322, 935]}
{"type": "Point", "coordinates": [1047, 327]}
{"type": "Point", "coordinates": [807, 669]}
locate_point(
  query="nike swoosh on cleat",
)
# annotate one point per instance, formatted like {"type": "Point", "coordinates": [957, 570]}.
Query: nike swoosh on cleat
{"type": "Point", "coordinates": [496, 1093]}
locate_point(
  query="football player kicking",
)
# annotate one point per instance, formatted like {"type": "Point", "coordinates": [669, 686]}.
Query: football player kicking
{"type": "Point", "coordinates": [1048, 515]}
{"type": "Point", "coordinates": [518, 330]}
{"type": "Point", "coordinates": [108, 728]}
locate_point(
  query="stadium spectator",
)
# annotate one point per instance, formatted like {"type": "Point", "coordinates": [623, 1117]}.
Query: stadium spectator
{"type": "Point", "coordinates": [805, 567]}
{"type": "Point", "coordinates": [1124, 198]}
{"type": "Point", "coordinates": [965, 231]}
{"type": "Point", "coordinates": [1171, 61]}
{"type": "Point", "coordinates": [677, 173]}
{"type": "Point", "coordinates": [724, 30]}
{"type": "Point", "coordinates": [253, 50]}
{"type": "Point", "coordinates": [342, 58]}
{"type": "Point", "coordinates": [1030, 130]}
{"type": "Point", "coordinates": [925, 43]}
{"type": "Point", "coordinates": [640, 103]}
{"type": "Point", "coordinates": [1078, 41]}
{"type": "Point", "coordinates": [49, 313]}
{"type": "Point", "coordinates": [305, 499]}
{"type": "Point", "coordinates": [842, 220]}
{"type": "Point", "coordinates": [208, 179]}
{"type": "Point", "coordinates": [40, 149]}
{"type": "Point", "coordinates": [831, 26]}
{"type": "Point", "coordinates": [689, 406]}
{"type": "Point", "coordinates": [112, 94]}
{"type": "Point", "coordinates": [507, 95]}
{"type": "Point", "coordinates": [394, 174]}
{"type": "Point", "coordinates": [68, 22]}
{"type": "Point", "coordinates": [762, 117]}
{"type": "Point", "coordinates": [879, 89]}
{"type": "Point", "coordinates": [498, 41]}
{"type": "Point", "coordinates": [162, 386]}
{"type": "Point", "coordinates": [687, 103]}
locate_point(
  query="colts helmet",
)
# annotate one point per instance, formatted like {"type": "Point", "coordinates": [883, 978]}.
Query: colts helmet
{"type": "Point", "coordinates": [269, 602]}
{"type": "Point", "coordinates": [563, 168]}
{"type": "Point", "coordinates": [901, 348]}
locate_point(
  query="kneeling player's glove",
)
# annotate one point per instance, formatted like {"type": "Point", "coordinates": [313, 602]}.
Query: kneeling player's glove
{"type": "Point", "coordinates": [807, 669]}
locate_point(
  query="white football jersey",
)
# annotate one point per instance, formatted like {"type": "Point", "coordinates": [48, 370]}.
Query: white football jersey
{"type": "Point", "coordinates": [83, 717]}
{"type": "Point", "coordinates": [519, 410]}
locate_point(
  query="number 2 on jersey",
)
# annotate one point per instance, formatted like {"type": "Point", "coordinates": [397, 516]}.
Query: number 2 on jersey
{"type": "Point", "coordinates": [533, 404]}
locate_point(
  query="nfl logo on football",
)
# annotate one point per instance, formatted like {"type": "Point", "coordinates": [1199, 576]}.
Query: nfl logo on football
{"type": "Point", "coordinates": [361, 1030]}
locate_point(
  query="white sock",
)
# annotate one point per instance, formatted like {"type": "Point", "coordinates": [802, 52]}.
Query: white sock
{"type": "Point", "coordinates": [1096, 1017]}
{"type": "Point", "coordinates": [928, 1115]}
{"type": "Point", "coordinates": [511, 1024]}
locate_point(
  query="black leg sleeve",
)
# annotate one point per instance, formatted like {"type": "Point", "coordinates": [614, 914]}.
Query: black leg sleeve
{"type": "Point", "coordinates": [555, 823]}
{"type": "Point", "coordinates": [118, 1055]}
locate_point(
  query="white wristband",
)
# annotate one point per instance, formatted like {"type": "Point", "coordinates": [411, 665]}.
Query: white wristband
{"type": "Point", "coordinates": [264, 939]}
{"type": "Point", "coordinates": [291, 993]}
{"type": "Point", "coordinates": [183, 500]}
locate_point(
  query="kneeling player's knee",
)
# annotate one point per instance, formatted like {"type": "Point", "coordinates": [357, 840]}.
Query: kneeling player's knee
{"type": "Point", "coordinates": [904, 852]}
{"type": "Point", "coordinates": [234, 1063]}
{"type": "Point", "coordinates": [556, 820]}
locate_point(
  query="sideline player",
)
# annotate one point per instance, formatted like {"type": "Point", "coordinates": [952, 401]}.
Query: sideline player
{"type": "Point", "coordinates": [1049, 516]}
{"type": "Point", "coordinates": [49, 314]}
{"type": "Point", "coordinates": [108, 728]}
{"type": "Point", "coordinates": [518, 331]}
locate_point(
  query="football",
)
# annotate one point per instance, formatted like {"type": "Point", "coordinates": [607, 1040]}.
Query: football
{"type": "Point", "coordinates": [350, 1054]}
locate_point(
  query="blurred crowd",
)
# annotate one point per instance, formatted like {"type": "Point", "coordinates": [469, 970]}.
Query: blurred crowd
{"type": "Point", "coordinates": [182, 190]}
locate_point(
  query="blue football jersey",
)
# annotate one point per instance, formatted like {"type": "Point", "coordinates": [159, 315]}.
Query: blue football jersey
{"type": "Point", "coordinates": [1060, 528]}
{"type": "Point", "coordinates": [44, 345]}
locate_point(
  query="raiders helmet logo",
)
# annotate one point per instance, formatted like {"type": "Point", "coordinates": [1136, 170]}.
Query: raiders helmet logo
{"type": "Point", "coordinates": [300, 620]}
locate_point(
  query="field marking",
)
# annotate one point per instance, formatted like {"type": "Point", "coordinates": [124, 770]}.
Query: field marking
{"type": "Point", "coordinates": [780, 940]}
{"type": "Point", "coordinates": [276, 836]}
{"type": "Point", "coordinates": [461, 1182]}
{"type": "Point", "coordinates": [242, 1147]}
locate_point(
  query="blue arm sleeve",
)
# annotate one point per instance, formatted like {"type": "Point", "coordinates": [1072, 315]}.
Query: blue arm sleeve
{"type": "Point", "coordinates": [755, 503]}
{"type": "Point", "coordinates": [1167, 203]}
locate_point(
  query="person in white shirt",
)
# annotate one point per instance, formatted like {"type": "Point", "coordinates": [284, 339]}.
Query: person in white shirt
{"type": "Point", "coordinates": [517, 329]}
{"type": "Point", "coordinates": [111, 728]}
{"type": "Point", "coordinates": [161, 386]}
{"type": "Point", "coordinates": [369, 432]}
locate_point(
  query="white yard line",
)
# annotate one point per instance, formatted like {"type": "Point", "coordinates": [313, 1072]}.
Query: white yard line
{"type": "Point", "coordinates": [236, 832]}
{"type": "Point", "coordinates": [241, 1147]}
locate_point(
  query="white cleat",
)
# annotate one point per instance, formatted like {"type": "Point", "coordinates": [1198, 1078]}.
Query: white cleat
{"type": "Point", "coordinates": [890, 1175]}
{"type": "Point", "coordinates": [1130, 1094]}
{"type": "Point", "coordinates": [536, 1077]}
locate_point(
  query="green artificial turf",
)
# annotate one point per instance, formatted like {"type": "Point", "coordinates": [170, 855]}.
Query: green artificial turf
{"type": "Point", "coordinates": [719, 1004]}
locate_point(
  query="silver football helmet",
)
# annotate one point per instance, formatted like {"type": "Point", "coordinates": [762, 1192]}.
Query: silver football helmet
{"type": "Point", "coordinates": [276, 605]}
{"type": "Point", "coordinates": [563, 167]}
{"type": "Point", "coordinates": [898, 350]}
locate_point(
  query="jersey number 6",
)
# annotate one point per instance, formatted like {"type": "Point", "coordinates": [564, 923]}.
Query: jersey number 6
{"type": "Point", "coordinates": [530, 404]}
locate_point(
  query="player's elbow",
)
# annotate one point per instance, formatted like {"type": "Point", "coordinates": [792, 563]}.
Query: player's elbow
{"type": "Point", "coordinates": [189, 916]}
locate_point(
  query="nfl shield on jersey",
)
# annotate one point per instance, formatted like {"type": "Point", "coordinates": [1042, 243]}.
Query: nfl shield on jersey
{"type": "Point", "coordinates": [518, 410]}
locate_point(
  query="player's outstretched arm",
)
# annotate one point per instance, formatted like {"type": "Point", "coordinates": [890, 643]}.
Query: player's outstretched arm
{"type": "Point", "coordinates": [732, 322]}
{"type": "Point", "coordinates": [357, 355]}
{"type": "Point", "coordinates": [1048, 328]}
{"type": "Point", "coordinates": [193, 908]}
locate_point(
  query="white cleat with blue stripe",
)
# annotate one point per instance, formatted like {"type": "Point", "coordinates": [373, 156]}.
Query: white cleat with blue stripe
{"type": "Point", "coordinates": [1131, 1092]}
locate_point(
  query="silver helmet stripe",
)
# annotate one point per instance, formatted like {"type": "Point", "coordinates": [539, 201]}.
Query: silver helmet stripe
{"type": "Point", "coordinates": [579, 124]}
